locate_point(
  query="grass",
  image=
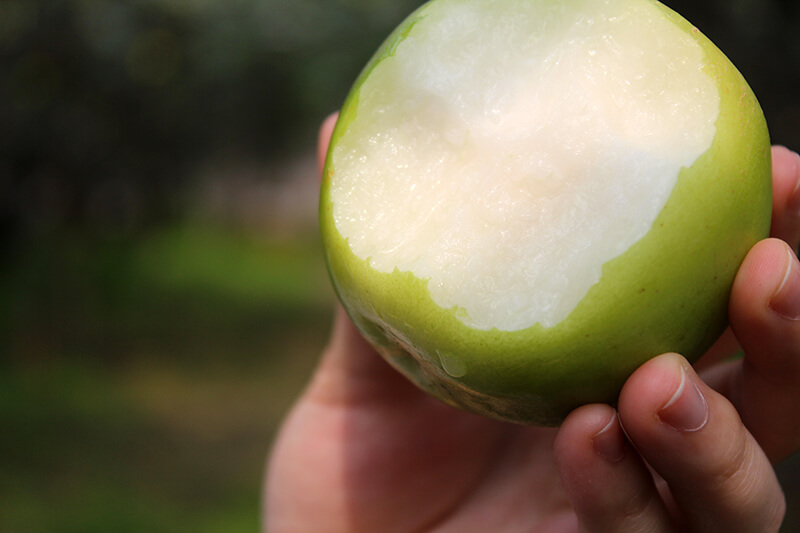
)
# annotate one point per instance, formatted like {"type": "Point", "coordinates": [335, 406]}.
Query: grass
{"type": "Point", "coordinates": [142, 380]}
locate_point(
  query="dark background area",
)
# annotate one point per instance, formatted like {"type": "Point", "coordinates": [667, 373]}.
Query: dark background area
{"type": "Point", "coordinates": [163, 296]}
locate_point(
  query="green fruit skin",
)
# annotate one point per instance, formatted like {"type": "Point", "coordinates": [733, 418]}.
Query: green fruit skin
{"type": "Point", "coordinates": [667, 293]}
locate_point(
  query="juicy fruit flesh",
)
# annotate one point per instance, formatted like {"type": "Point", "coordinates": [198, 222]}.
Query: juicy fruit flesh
{"type": "Point", "coordinates": [506, 151]}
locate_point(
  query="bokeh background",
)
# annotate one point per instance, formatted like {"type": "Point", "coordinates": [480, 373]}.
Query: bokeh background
{"type": "Point", "coordinates": [163, 296]}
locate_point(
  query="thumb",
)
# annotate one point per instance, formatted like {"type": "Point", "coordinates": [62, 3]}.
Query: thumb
{"type": "Point", "coordinates": [324, 139]}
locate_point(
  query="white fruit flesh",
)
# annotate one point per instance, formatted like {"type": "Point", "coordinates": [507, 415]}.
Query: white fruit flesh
{"type": "Point", "coordinates": [508, 155]}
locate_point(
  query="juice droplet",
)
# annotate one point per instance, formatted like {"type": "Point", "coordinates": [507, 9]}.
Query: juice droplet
{"type": "Point", "coordinates": [452, 366]}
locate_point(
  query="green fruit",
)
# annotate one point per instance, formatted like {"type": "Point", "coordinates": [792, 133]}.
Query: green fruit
{"type": "Point", "coordinates": [525, 200]}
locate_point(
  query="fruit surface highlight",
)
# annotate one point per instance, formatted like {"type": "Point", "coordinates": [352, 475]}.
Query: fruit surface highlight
{"type": "Point", "coordinates": [525, 200]}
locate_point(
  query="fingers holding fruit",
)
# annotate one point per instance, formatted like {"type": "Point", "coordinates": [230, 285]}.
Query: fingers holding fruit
{"type": "Point", "coordinates": [607, 483]}
{"type": "Point", "coordinates": [715, 476]}
{"type": "Point", "coordinates": [765, 317]}
{"type": "Point", "coordinates": [693, 438]}
{"type": "Point", "coordinates": [786, 195]}
{"type": "Point", "coordinates": [714, 453]}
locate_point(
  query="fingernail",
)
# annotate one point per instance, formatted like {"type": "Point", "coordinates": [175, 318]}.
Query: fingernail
{"type": "Point", "coordinates": [687, 410]}
{"type": "Point", "coordinates": [786, 300]}
{"type": "Point", "coordinates": [609, 442]}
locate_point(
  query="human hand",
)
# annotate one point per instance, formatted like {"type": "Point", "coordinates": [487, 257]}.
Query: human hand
{"type": "Point", "coordinates": [365, 450]}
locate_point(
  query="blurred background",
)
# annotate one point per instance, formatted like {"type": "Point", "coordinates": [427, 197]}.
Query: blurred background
{"type": "Point", "coordinates": [163, 296]}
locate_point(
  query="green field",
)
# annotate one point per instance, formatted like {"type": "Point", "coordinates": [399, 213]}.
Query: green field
{"type": "Point", "coordinates": [144, 379]}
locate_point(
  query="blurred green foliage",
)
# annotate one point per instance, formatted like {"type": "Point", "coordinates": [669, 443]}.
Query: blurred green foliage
{"type": "Point", "coordinates": [150, 344]}
{"type": "Point", "coordinates": [145, 377]}
{"type": "Point", "coordinates": [140, 91]}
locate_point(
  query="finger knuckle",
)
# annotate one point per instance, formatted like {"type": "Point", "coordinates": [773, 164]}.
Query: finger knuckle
{"type": "Point", "coordinates": [739, 477]}
{"type": "Point", "coordinates": [733, 460]}
{"type": "Point", "coordinates": [635, 504]}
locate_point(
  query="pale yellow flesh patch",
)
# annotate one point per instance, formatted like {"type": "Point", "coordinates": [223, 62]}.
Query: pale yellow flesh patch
{"type": "Point", "coordinates": [508, 150]}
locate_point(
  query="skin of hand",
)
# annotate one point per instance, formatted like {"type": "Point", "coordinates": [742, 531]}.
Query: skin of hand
{"type": "Point", "coordinates": [687, 449]}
